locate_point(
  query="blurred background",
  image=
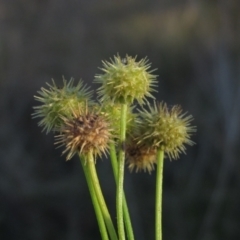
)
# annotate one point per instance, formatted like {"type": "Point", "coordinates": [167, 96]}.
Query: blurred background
{"type": "Point", "coordinates": [195, 45]}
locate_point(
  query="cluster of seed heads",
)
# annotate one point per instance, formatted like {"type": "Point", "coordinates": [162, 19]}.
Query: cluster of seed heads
{"type": "Point", "coordinates": [82, 126]}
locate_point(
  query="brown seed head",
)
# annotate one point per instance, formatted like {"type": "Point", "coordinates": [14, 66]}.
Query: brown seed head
{"type": "Point", "coordinates": [141, 157]}
{"type": "Point", "coordinates": [85, 133]}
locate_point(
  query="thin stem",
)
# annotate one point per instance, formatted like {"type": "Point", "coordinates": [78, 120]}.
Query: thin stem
{"type": "Point", "coordinates": [126, 215]}
{"type": "Point", "coordinates": [101, 201]}
{"type": "Point", "coordinates": [121, 162]}
{"type": "Point", "coordinates": [158, 209]}
{"type": "Point", "coordinates": [99, 215]}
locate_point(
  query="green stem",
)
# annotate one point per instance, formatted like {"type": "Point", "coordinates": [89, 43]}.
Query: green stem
{"type": "Point", "coordinates": [121, 162]}
{"type": "Point", "coordinates": [126, 215]}
{"type": "Point", "coordinates": [159, 181]}
{"type": "Point", "coordinates": [101, 224]}
{"type": "Point", "coordinates": [101, 201]}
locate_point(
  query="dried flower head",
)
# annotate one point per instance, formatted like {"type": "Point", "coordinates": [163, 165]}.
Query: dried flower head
{"type": "Point", "coordinates": [140, 157]}
{"type": "Point", "coordinates": [85, 132]}
{"type": "Point", "coordinates": [167, 129]}
{"type": "Point", "coordinates": [125, 80]}
{"type": "Point", "coordinates": [58, 102]}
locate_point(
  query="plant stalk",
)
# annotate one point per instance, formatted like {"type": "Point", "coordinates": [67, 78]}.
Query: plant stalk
{"type": "Point", "coordinates": [126, 216]}
{"type": "Point", "coordinates": [121, 163]}
{"type": "Point", "coordinates": [159, 184]}
{"type": "Point", "coordinates": [101, 201]}
{"type": "Point", "coordinates": [99, 215]}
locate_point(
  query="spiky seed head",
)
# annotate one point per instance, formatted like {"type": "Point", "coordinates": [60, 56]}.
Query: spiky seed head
{"type": "Point", "coordinates": [113, 113]}
{"type": "Point", "coordinates": [140, 157]}
{"type": "Point", "coordinates": [167, 128]}
{"type": "Point", "coordinates": [84, 133]}
{"type": "Point", "coordinates": [58, 102]}
{"type": "Point", "coordinates": [124, 80]}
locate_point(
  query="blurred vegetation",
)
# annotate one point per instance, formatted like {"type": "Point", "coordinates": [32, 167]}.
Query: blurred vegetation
{"type": "Point", "coordinates": [196, 47]}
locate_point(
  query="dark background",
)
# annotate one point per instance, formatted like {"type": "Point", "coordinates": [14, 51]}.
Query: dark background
{"type": "Point", "coordinates": [196, 47]}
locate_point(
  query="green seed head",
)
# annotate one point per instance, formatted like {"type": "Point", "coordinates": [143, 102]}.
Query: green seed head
{"type": "Point", "coordinates": [113, 113]}
{"type": "Point", "coordinates": [59, 102]}
{"type": "Point", "coordinates": [167, 129]}
{"type": "Point", "coordinates": [124, 80]}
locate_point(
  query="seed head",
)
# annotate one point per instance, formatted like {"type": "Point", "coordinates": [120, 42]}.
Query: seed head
{"type": "Point", "coordinates": [58, 102]}
{"type": "Point", "coordinates": [167, 129]}
{"type": "Point", "coordinates": [84, 133]}
{"type": "Point", "coordinates": [113, 113]}
{"type": "Point", "coordinates": [125, 80]}
{"type": "Point", "coordinates": [140, 156]}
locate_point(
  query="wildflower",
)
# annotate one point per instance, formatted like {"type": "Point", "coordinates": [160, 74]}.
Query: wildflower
{"type": "Point", "coordinates": [85, 132]}
{"type": "Point", "coordinates": [58, 102]}
{"type": "Point", "coordinates": [125, 80]}
{"type": "Point", "coordinates": [166, 129]}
